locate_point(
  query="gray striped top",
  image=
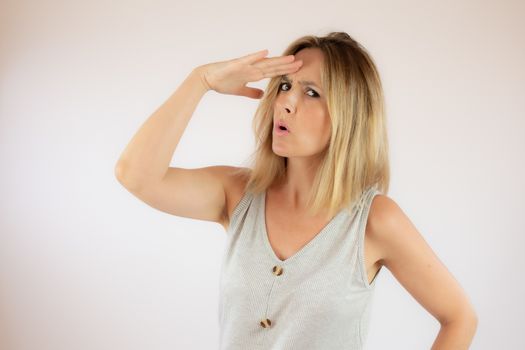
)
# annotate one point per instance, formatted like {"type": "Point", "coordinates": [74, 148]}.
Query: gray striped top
{"type": "Point", "coordinates": [319, 298]}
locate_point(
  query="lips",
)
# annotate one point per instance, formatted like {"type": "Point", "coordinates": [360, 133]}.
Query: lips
{"type": "Point", "coordinates": [279, 125]}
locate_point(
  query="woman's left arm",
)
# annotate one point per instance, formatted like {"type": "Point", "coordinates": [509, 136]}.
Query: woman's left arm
{"type": "Point", "coordinates": [410, 259]}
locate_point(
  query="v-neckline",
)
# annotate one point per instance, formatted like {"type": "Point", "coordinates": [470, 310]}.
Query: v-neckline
{"type": "Point", "coordinates": [317, 237]}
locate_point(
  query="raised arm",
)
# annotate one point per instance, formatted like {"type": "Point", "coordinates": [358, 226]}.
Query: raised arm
{"type": "Point", "coordinates": [147, 156]}
{"type": "Point", "coordinates": [143, 168]}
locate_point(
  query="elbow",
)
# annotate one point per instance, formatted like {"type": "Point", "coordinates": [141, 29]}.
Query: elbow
{"type": "Point", "coordinates": [474, 320]}
{"type": "Point", "coordinates": [123, 177]}
{"type": "Point", "coordinates": [120, 171]}
{"type": "Point", "coordinates": [466, 326]}
{"type": "Point", "coordinates": [471, 321]}
{"type": "Point", "coordinates": [467, 317]}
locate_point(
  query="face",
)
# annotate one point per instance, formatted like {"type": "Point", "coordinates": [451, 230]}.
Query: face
{"type": "Point", "coordinates": [303, 108]}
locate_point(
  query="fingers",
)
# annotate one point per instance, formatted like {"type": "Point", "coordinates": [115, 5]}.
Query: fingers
{"type": "Point", "coordinates": [270, 67]}
{"type": "Point", "coordinates": [292, 65]}
{"type": "Point", "coordinates": [283, 69]}
{"type": "Point", "coordinates": [267, 62]}
{"type": "Point", "coordinates": [254, 56]}
{"type": "Point", "coordinates": [275, 61]}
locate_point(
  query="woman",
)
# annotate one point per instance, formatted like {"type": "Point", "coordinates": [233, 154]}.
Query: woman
{"type": "Point", "coordinates": [309, 226]}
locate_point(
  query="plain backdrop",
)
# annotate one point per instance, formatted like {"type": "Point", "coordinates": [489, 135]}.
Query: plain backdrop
{"type": "Point", "coordinates": [86, 265]}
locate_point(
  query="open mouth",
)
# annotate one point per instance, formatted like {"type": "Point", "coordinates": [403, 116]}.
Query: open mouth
{"type": "Point", "coordinates": [281, 127]}
{"type": "Point", "coordinates": [281, 130]}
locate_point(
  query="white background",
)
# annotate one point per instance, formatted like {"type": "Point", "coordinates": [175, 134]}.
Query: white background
{"type": "Point", "coordinates": [86, 265]}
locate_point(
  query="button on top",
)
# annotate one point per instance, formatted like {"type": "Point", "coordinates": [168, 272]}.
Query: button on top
{"type": "Point", "coordinates": [266, 323]}
{"type": "Point", "coordinates": [277, 270]}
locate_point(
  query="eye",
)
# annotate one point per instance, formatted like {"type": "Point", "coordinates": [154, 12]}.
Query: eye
{"type": "Point", "coordinates": [315, 94]}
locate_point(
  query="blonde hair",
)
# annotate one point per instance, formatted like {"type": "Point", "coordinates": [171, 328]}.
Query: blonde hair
{"type": "Point", "coordinates": [357, 155]}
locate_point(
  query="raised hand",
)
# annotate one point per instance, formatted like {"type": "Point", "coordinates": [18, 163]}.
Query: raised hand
{"type": "Point", "coordinates": [231, 76]}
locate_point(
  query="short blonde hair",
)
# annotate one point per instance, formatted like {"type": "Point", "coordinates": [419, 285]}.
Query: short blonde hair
{"type": "Point", "coordinates": [357, 155]}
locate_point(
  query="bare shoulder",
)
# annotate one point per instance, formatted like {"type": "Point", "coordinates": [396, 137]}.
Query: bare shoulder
{"type": "Point", "coordinates": [391, 231]}
{"type": "Point", "coordinates": [234, 183]}
{"type": "Point", "coordinates": [383, 218]}
{"type": "Point", "coordinates": [382, 209]}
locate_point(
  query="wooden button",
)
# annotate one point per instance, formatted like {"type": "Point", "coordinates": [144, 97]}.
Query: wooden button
{"type": "Point", "coordinates": [277, 270]}
{"type": "Point", "coordinates": [266, 323]}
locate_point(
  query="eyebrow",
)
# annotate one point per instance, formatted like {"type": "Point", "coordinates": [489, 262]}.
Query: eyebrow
{"type": "Point", "coordinates": [302, 82]}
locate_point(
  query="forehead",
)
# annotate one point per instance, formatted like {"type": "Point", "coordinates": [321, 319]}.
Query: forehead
{"type": "Point", "coordinates": [310, 55]}
{"type": "Point", "coordinates": [311, 68]}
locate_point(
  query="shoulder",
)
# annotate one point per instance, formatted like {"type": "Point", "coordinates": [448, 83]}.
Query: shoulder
{"type": "Point", "coordinates": [386, 224]}
{"type": "Point", "coordinates": [235, 179]}
{"type": "Point", "coordinates": [383, 211]}
{"type": "Point", "coordinates": [231, 177]}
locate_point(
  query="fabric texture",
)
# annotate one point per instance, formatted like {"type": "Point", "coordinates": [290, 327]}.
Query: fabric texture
{"type": "Point", "coordinates": [317, 299]}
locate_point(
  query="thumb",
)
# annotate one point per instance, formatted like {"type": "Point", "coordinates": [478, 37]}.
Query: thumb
{"type": "Point", "coordinates": [251, 92]}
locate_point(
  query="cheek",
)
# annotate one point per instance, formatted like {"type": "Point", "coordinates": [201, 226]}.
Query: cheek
{"type": "Point", "coordinates": [317, 131]}
{"type": "Point", "coordinates": [321, 125]}
{"type": "Point", "coordinates": [325, 130]}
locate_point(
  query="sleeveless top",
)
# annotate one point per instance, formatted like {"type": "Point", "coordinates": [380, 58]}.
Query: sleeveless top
{"type": "Point", "coordinates": [317, 299]}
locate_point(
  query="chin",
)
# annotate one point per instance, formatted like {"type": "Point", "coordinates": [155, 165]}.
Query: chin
{"type": "Point", "coordinates": [280, 154]}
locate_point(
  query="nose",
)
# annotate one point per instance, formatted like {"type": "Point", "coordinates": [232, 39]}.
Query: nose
{"type": "Point", "coordinates": [288, 107]}
{"type": "Point", "coordinates": [284, 112]}
{"type": "Point", "coordinates": [287, 103]}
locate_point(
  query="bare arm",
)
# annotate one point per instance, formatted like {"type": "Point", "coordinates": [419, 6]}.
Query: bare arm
{"type": "Point", "coordinates": [148, 155]}
{"type": "Point", "coordinates": [143, 168]}
{"type": "Point", "coordinates": [414, 264]}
